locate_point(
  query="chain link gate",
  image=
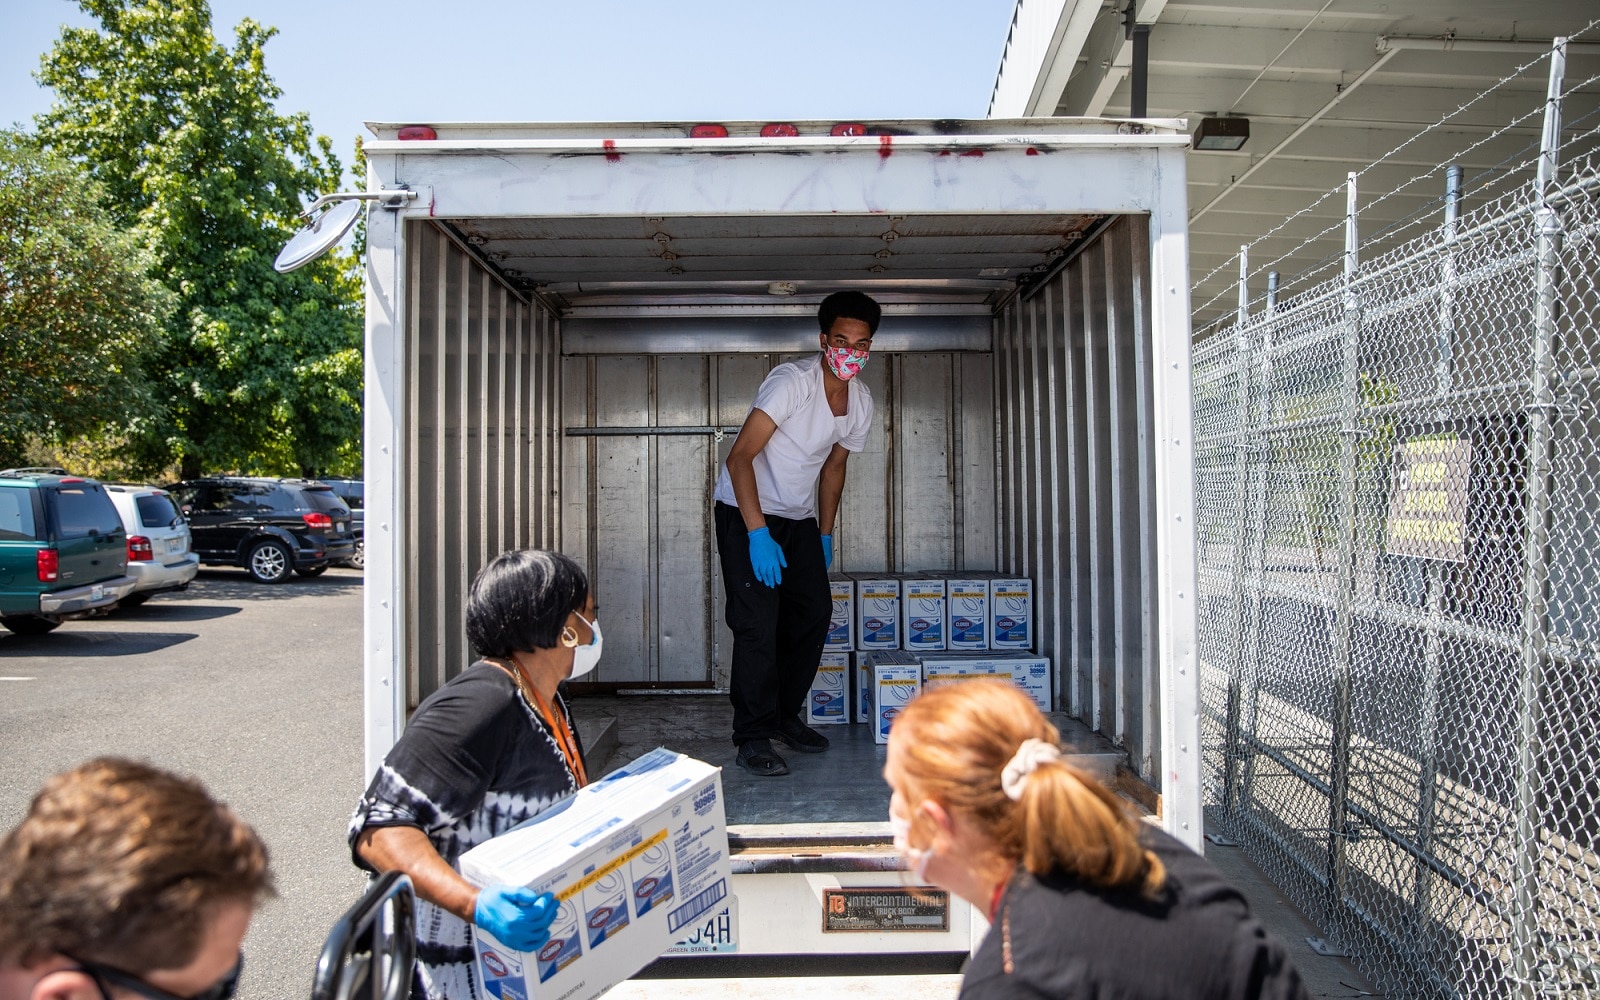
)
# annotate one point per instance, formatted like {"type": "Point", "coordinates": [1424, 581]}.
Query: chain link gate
{"type": "Point", "coordinates": [1398, 499]}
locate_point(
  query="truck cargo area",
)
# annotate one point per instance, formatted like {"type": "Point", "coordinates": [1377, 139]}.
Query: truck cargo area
{"type": "Point", "coordinates": [566, 328]}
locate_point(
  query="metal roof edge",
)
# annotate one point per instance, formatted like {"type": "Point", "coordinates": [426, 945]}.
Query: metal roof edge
{"type": "Point", "coordinates": [897, 128]}
{"type": "Point", "coordinates": [1154, 134]}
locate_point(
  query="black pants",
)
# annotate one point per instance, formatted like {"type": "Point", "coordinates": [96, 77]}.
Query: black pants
{"type": "Point", "coordinates": [778, 632]}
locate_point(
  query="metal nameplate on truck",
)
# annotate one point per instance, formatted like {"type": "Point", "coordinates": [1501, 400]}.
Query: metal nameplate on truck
{"type": "Point", "coordinates": [880, 908]}
{"type": "Point", "coordinates": [716, 934]}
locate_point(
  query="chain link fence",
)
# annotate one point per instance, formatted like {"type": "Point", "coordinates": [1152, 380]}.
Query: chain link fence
{"type": "Point", "coordinates": [1398, 490]}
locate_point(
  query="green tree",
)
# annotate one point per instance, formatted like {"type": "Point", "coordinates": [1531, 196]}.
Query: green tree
{"type": "Point", "coordinates": [79, 317]}
{"type": "Point", "coordinates": [260, 371]}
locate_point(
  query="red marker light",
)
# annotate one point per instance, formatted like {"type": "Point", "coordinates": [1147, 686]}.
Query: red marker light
{"type": "Point", "coordinates": [417, 132]}
{"type": "Point", "coordinates": [49, 564]}
{"type": "Point", "coordinates": [848, 128]}
{"type": "Point", "coordinates": [778, 128]}
{"type": "Point", "coordinates": [709, 132]}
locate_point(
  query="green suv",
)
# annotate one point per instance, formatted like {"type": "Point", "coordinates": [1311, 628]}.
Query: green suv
{"type": "Point", "coordinates": [63, 550]}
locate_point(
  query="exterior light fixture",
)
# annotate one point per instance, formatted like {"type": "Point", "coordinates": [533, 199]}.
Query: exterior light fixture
{"type": "Point", "coordinates": [1221, 133]}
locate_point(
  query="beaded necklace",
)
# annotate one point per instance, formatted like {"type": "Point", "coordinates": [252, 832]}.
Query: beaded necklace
{"type": "Point", "coordinates": [555, 721]}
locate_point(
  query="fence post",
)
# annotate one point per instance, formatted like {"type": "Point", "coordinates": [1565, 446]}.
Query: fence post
{"type": "Point", "coordinates": [1536, 542]}
{"type": "Point", "coordinates": [1256, 527]}
{"type": "Point", "coordinates": [1232, 746]}
{"type": "Point", "coordinates": [1349, 432]}
{"type": "Point", "coordinates": [1434, 580]}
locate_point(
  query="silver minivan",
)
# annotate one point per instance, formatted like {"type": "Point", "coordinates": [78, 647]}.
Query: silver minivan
{"type": "Point", "coordinates": [159, 550]}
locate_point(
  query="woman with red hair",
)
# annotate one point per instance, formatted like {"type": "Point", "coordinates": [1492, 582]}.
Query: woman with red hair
{"type": "Point", "coordinates": [1083, 898]}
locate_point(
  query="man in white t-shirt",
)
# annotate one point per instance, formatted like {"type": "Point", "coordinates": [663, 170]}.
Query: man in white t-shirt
{"type": "Point", "coordinates": [775, 503]}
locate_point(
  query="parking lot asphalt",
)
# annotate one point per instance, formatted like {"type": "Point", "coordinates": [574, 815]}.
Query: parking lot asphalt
{"type": "Point", "coordinates": [253, 689]}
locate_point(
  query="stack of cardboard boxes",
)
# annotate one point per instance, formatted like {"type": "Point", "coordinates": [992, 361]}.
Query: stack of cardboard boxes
{"type": "Point", "coordinates": [890, 635]}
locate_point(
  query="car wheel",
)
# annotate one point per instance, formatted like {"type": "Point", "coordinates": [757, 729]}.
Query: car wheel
{"type": "Point", "coordinates": [313, 570]}
{"type": "Point", "coordinates": [269, 562]}
{"type": "Point", "coordinates": [133, 600]}
{"type": "Point", "coordinates": [358, 559]}
{"type": "Point", "coordinates": [29, 624]}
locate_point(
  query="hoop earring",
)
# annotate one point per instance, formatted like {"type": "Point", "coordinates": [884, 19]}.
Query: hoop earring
{"type": "Point", "coordinates": [569, 637]}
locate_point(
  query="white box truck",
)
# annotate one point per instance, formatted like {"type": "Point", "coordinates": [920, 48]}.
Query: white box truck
{"type": "Point", "coordinates": [566, 325]}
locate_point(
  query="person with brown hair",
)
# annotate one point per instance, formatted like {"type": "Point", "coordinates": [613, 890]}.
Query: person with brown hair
{"type": "Point", "coordinates": [126, 879]}
{"type": "Point", "coordinates": [1085, 899]}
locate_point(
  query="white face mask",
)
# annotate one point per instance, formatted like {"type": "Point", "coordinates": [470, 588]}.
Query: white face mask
{"type": "Point", "coordinates": [902, 842]}
{"type": "Point", "coordinates": [586, 656]}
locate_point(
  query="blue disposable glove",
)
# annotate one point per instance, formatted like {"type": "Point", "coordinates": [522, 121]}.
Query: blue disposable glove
{"type": "Point", "coordinates": [766, 558]}
{"type": "Point", "coordinates": [517, 916]}
{"type": "Point", "coordinates": [827, 551]}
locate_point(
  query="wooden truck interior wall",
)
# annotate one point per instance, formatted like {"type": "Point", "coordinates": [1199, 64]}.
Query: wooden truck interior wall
{"type": "Point", "coordinates": [1077, 482]}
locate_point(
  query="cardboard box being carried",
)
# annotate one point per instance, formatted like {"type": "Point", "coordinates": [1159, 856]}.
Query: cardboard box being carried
{"type": "Point", "coordinates": [636, 859]}
{"type": "Point", "coordinates": [828, 701]}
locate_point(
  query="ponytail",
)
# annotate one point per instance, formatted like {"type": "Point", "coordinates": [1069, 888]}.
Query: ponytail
{"type": "Point", "coordinates": [983, 750]}
{"type": "Point", "coordinates": [1071, 822]}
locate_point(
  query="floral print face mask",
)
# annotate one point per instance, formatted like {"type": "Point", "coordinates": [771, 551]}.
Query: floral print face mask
{"type": "Point", "coordinates": [844, 362]}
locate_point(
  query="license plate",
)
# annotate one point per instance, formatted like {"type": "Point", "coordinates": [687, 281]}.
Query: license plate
{"type": "Point", "coordinates": [885, 908]}
{"type": "Point", "coordinates": [96, 592]}
{"type": "Point", "coordinates": [177, 546]}
{"type": "Point", "coordinates": [718, 933]}
{"type": "Point", "coordinates": [339, 528]}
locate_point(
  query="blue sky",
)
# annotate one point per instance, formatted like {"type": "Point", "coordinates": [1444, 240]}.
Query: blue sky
{"type": "Point", "coordinates": [591, 60]}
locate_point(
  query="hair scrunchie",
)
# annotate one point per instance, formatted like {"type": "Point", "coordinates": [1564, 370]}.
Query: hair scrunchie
{"type": "Point", "coordinates": [1032, 753]}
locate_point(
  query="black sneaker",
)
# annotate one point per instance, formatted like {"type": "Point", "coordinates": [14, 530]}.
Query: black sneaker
{"type": "Point", "coordinates": [797, 735]}
{"type": "Point", "coordinates": [758, 757]}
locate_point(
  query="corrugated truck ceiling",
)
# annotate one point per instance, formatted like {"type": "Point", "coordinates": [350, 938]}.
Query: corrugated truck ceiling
{"type": "Point", "coordinates": [932, 258]}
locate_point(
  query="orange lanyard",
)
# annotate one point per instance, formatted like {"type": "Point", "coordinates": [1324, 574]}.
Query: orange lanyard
{"type": "Point", "coordinates": [557, 722]}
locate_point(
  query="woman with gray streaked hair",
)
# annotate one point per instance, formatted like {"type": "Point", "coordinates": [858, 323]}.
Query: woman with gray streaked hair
{"type": "Point", "coordinates": [490, 749]}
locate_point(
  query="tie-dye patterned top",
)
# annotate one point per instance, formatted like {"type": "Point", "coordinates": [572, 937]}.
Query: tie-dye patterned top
{"type": "Point", "coordinates": [475, 760]}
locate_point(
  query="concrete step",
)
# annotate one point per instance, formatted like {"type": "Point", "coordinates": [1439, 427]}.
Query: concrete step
{"type": "Point", "coordinates": [598, 732]}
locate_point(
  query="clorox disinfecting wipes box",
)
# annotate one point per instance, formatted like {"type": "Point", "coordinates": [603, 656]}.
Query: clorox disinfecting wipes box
{"type": "Point", "coordinates": [636, 860]}
{"type": "Point", "coordinates": [1030, 673]}
{"type": "Point", "coordinates": [861, 686]}
{"type": "Point", "coordinates": [944, 669]}
{"type": "Point", "coordinates": [896, 679]}
{"type": "Point", "coordinates": [923, 602]}
{"type": "Point", "coordinates": [828, 701]}
{"type": "Point", "coordinates": [968, 601]}
{"type": "Point", "coordinates": [877, 613]}
{"type": "Point", "coordinates": [1011, 611]}
{"type": "Point", "coordinates": [841, 624]}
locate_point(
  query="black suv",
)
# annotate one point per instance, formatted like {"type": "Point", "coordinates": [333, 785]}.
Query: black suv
{"type": "Point", "coordinates": [354, 494]}
{"type": "Point", "coordinates": [269, 526]}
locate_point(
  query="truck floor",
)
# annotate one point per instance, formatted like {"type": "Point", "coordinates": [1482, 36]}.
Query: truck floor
{"type": "Point", "coordinates": [844, 784]}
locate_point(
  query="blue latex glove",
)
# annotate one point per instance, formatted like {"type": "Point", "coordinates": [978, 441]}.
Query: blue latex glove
{"type": "Point", "coordinates": [517, 916]}
{"type": "Point", "coordinates": [827, 551]}
{"type": "Point", "coordinates": [766, 558]}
